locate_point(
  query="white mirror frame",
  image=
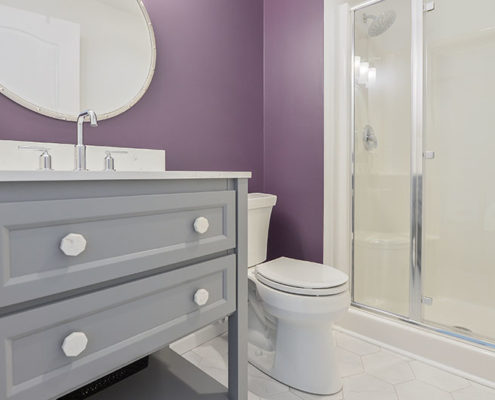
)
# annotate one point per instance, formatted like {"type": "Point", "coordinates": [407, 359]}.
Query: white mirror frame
{"type": "Point", "coordinates": [140, 94]}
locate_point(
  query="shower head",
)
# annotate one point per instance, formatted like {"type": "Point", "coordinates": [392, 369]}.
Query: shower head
{"type": "Point", "coordinates": [380, 23]}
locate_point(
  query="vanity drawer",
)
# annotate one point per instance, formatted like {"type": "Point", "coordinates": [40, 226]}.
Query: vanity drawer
{"type": "Point", "coordinates": [121, 324]}
{"type": "Point", "coordinates": [122, 236]}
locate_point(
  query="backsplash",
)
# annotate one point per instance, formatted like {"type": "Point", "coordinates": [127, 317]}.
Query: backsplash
{"type": "Point", "coordinates": [12, 158]}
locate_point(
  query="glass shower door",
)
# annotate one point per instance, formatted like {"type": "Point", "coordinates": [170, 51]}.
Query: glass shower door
{"type": "Point", "coordinates": [382, 148]}
{"type": "Point", "coordinates": [458, 261]}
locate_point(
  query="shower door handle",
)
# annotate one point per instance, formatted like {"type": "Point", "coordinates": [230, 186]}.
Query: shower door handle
{"type": "Point", "coordinates": [429, 155]}
{"type": "Point", "coordinates": [429, 6]}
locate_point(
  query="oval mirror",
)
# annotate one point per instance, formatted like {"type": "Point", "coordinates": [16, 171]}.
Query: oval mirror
{"type": "Point", "coordinates": [60, 57]}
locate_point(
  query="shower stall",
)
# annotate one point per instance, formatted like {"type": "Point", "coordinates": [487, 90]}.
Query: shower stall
{"type": "Point", "coordinates": [422, 122]}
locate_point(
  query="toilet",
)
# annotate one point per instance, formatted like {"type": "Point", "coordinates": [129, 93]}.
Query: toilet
{"type": "Point", "coordinates": [292, 307]}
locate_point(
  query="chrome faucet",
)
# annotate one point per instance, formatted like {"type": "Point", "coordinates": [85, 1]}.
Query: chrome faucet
{"type": "Point", "coordinates": [80, 164]}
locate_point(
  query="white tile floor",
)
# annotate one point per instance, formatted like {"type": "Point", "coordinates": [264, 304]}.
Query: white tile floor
{"type": "Point", "coordinates": [368, 371]}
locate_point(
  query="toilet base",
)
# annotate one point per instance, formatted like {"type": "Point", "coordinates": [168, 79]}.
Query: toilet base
{"type": "Point", "coordinates": [309, 366]}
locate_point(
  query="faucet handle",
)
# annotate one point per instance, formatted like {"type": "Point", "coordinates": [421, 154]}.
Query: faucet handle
{"type": "Point", "coordinates": [110, 161]}
{"type": "Point", "coordinates": [45, 157]}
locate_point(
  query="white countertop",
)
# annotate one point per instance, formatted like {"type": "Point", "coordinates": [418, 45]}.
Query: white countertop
{"type": "Point", "coordinates": [29, 176]}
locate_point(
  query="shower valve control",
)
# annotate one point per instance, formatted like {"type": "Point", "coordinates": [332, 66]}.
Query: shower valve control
{"type": "Point", "coordinates": [429, 155]}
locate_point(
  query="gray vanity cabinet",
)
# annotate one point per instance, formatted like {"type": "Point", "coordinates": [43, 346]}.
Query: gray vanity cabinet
{"type": "Point", "coordinates": [143, 263]}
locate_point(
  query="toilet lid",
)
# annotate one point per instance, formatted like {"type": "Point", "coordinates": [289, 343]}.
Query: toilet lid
{"type": "Point", "coordinates": [302, 277]}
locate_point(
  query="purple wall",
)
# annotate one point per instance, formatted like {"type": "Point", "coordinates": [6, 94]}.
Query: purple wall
{"type": "Point", "coordinates": [205, 104]}
{"type": "Point", "coordinates": [293, 132]}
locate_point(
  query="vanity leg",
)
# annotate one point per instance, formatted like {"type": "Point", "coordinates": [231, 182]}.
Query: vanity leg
{"type": "Point", "coordinates": [238, 325]}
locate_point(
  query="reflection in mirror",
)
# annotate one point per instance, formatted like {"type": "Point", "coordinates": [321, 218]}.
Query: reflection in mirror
{"type": "Point", "coordinates": [60, 57]}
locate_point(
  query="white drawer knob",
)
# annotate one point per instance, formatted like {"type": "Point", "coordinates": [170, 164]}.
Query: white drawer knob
{"type": "Point", "coordinates": [201, 297]}
{"type": "Point", "coordinates": [73, 244]}
{"type": "Point", "coordinates": [75, 344]}
{"type": "Point", "coordinates": [201, 225]}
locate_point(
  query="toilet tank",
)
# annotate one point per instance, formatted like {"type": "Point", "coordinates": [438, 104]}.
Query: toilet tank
{"type": "Point", "coordinates": [259, 211]}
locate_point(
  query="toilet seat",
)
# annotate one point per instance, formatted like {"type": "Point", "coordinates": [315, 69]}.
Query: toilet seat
{"type": "Point", "coordinates": [302, 277]}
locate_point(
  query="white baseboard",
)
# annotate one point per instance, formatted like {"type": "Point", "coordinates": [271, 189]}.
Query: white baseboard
{"type": "Point", "coordinates": [199, 337]}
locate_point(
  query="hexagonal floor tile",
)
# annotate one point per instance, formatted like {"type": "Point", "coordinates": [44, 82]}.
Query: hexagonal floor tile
{"type": "Point", "coordinates": [265, 387]}
{"type": "Point", "coordinates": [474, 392]}
{"type": "Point", "coordinates": [348, 363]}
{"type": "Point", "coordinates": [367, 387]}
{"type": "Point", "coordinates": [417, 390]}
{"type": "Point", "coordinates": [437, 377]}
{"type": "Point", "coordinates": [309, 396]}
{"type": "Point", "coordinates": [388, 366]}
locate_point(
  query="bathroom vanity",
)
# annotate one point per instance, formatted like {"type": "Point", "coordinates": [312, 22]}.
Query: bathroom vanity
{"type": "Point", "coordinates": [101, 269]}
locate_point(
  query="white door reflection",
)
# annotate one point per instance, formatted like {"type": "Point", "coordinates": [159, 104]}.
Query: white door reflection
{"type": "Point", "coordinates": [41, 58]}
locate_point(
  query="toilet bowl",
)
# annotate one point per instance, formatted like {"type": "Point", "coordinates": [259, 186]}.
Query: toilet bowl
{"type": "Point", "coordinates": [292, 306]}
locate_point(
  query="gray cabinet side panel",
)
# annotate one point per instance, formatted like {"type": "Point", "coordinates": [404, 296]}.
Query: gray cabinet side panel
{"type": "Point", "coordinates": [238, 323]}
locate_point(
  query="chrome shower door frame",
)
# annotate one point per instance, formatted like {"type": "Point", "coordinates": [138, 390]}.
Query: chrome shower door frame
{"type": "Point", "coordinates": [416, 162]}
{"type": "Point", "coordinates": [417, 106]}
